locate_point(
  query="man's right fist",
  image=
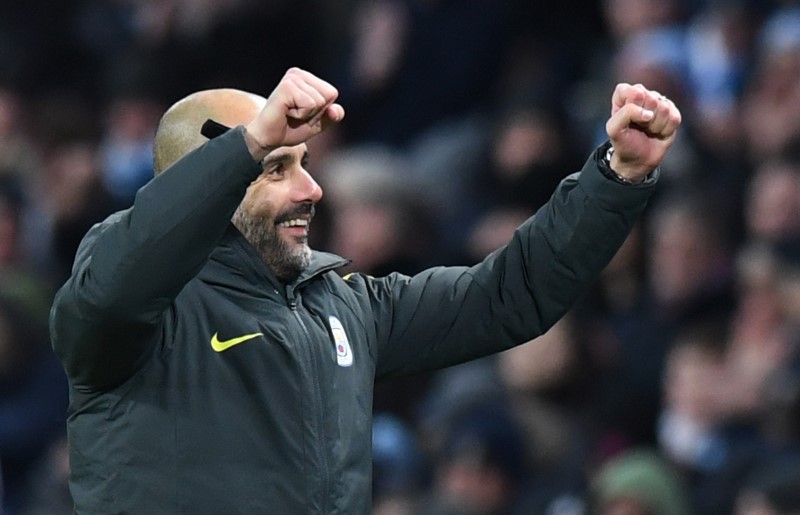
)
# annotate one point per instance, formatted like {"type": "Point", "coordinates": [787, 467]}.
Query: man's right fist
{"type": "Point", "coordinates": [301, 106]}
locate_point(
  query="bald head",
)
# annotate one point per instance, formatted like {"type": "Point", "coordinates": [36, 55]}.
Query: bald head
{"type": "Point", "coordinates": [179, 130]}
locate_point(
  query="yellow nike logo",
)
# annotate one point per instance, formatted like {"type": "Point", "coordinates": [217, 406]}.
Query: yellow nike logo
{"type": "Point", "coordinates": [220, 346]}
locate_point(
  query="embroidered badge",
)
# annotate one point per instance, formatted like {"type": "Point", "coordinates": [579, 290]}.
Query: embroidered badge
{"type": "Point", "coordinates": [344, 354]}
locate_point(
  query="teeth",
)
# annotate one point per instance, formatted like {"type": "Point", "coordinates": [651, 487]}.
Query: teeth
{"type": "Point", "coordinates": [297, 222]}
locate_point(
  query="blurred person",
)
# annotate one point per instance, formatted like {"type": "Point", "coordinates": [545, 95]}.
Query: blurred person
{"type": "Point", "coordinates": [694, 401]}
{"type": "Point", "coordinates": [779, 420]}
{"type": "Point", "coordinates": [380, 221]}
{"type": "Point", "coordinates": [772, 205]}
{"type": "Point", "coordinates": [132, 42]}
{"type": "Point", "coordinates": [657, 57]}
{"type": "Point", "coordinates": [544, 384]}
{"type": "Point", "coordinates": [73, 197]}
{"type": "Point", "coordinates": [493, 230]}
{"type": "Point", "coordinates": [401, 47]}
{"type": "Point", "coordinates": [275, 413]}
{"type": "Point", "coordinates": [398, 469]}
{"type": "Point", "coordinates": [690, 263]}
{"type": "Point", "coordinates": [789, 291]}
{"type": "Point", "coordinates": [609, 316]}
{"type": "Point", "coordinates": [49, 491]}
{"type": "Point", "coordinates": [772, 489]}
{"type": "Point", "coordinates": [639, 482]}
{"type": "Point", "coordinates": [622, 282]}
{"type": "Point", "coordinates": [527, 154]}
{"type": "Point", "coordinates": [719, 45]}
{"type": "Point", "coordinates": [126, 151]}
{"type": "Point", "coordinates": [33, 400]}
{"type": "Point", "coordinates": [481, 468]}
{"type": "Point", "coordinates": [756, 409]}
{"type": "Point", "coordinates": [768, 476]}
{"type": "Point", "coordinates": [383, 224]}
{"type": "Point", "coordinates": [771, 103]}
{"type": "Point", "coordinates": [624, 21]}
{"type": "Point", "coordinates": [697, 432]}
{"type": "Point", "coordinates": [687, 276]}
{"type": "Point", "coordinates": [18, 280]}
{"type": "Point", "coordinates": [18, 158]}
{"type": "Point", "coordinates": [762, 336]}
{"type": "Point", "coordinates": [627, 18]}
{"type": "Point", "coordinates": [534, 383]}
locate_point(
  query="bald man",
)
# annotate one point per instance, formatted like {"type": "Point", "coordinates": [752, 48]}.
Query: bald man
{"type": "Point", "coordinates": [219, 365]}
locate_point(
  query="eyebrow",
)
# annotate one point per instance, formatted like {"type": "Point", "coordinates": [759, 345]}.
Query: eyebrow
{"type": "Point", "coordinates": [279, 158]}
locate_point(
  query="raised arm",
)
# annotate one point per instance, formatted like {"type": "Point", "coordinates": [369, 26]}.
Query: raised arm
{"type": "Point", "coordinates": [449, 315]}
{"type": "Point", "coordinates": [129, 269]}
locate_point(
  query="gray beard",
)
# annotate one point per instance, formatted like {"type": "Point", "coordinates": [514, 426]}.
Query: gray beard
{"type": "Point", "coordinates": [286, 262]}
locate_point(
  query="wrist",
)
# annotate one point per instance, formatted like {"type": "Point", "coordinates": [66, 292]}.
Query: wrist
{"type": "Point", "coordinates": [617, 169]}
{"type": "Point", "coordinates": [254, 144]}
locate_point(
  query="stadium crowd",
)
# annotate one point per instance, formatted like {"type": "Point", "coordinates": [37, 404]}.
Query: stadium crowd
{"type": "Point", "coordinates": [673, 387]}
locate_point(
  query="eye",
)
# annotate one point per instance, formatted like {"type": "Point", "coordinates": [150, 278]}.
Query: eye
{"type": "Point", "coordinates": [275, 170]}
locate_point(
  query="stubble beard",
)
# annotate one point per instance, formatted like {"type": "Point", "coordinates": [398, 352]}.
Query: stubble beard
{"type": "Point", "coordinates": [286, 261]}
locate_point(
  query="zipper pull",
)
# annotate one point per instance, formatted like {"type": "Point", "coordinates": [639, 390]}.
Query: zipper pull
{"type": "Point", "coordinates": [291, 298]}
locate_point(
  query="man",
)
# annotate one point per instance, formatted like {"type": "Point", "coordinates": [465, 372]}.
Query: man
{"type": "Point", "coordinates": [226, 368]}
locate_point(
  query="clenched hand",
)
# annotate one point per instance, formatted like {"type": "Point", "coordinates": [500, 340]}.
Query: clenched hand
{"type": "Point", "coordinates": [642, 127]}
{"type": "Point", "coordinates": [301, 106]}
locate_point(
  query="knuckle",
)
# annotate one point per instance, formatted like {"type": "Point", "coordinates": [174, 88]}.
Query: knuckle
{"type": "Point", "coordinates": [329, 92]}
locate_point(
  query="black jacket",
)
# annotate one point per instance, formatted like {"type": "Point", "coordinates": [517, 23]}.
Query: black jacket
{"type": "Point", "coordinates": [277, 418]}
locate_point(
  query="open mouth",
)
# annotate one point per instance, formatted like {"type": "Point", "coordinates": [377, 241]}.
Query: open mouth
{"type": "Point", "coordinates": [296, 222]}
{"type": "Point", "coordinates": [297, 219]}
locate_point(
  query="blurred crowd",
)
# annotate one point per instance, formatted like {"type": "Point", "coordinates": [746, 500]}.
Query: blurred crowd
{"type": "Point", "coordinates": [672, 388]}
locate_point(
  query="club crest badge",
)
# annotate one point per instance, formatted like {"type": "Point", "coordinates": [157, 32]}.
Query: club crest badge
{"type": "Point", "coordinates": [344, 354]}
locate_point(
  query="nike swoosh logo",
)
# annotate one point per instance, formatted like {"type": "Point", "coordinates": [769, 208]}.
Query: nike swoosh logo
{"type": "Point", "coordinates": [220, 346]}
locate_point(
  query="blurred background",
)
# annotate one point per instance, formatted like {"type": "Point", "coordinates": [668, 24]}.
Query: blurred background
{"type": "Point", "coordinates": [673, 387]}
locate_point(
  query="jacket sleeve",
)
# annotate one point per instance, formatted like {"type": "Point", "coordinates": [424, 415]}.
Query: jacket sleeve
{"type": "Point", "coordinates": [105, 319]}
{"type": "Point", "coordinates": [446, 316]}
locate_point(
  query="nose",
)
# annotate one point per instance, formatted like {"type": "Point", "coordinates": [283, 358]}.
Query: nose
{"type": "Point", "coordinates": [305, 188]}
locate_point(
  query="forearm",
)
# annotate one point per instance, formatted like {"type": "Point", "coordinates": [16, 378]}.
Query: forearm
{"type": "Point", "coordinates": [574, 236]}
{"type": "Point", "coordinates": [130, 268]}
{"type": "Point", "coordinates": [140, 262]}
{"type": "Point", "coordinates": [447, 316]}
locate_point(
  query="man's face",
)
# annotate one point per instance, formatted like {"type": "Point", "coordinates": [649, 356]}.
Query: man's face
{"type": "Point", "coordinates": [276, 211]}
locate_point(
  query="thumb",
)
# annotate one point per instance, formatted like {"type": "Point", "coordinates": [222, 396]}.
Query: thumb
{"type": "Point", "coordinates": [330, 115]}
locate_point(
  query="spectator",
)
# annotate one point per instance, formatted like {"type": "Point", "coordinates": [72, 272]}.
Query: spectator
{"type": "Point", "coordinates": [772, 205]}
{"type": "Point", "coordinates": [639, 482]}
{"type": "Point", "coordinates": [772, 489]}
{"type": "Point", "coordinates": [126, 154]}
{"type": "Point", "coordinates": [771, 106]}
{"type": "Point", "coordinates": [33, 401]}
{"type": "Point", "coordinates": [398, 467]}
{"type": "Point", "coordinates": [481, 157]}
{"type": "Point", "coordinates": [481, 469]}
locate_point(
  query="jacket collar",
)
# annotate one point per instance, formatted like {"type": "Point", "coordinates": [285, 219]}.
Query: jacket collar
{"type": "Point", "coordinates": [236, 263]}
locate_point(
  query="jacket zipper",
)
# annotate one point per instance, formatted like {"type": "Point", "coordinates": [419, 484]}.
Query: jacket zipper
{"type": "Point", "coordinates": [318, 397]}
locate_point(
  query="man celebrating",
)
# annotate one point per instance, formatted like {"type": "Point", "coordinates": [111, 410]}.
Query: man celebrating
{"type": "Point", "coordinates": [220, 367]}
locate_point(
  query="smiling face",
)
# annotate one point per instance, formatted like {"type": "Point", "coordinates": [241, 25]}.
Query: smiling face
{"type": "Point", "coordinates": [277, 209]}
